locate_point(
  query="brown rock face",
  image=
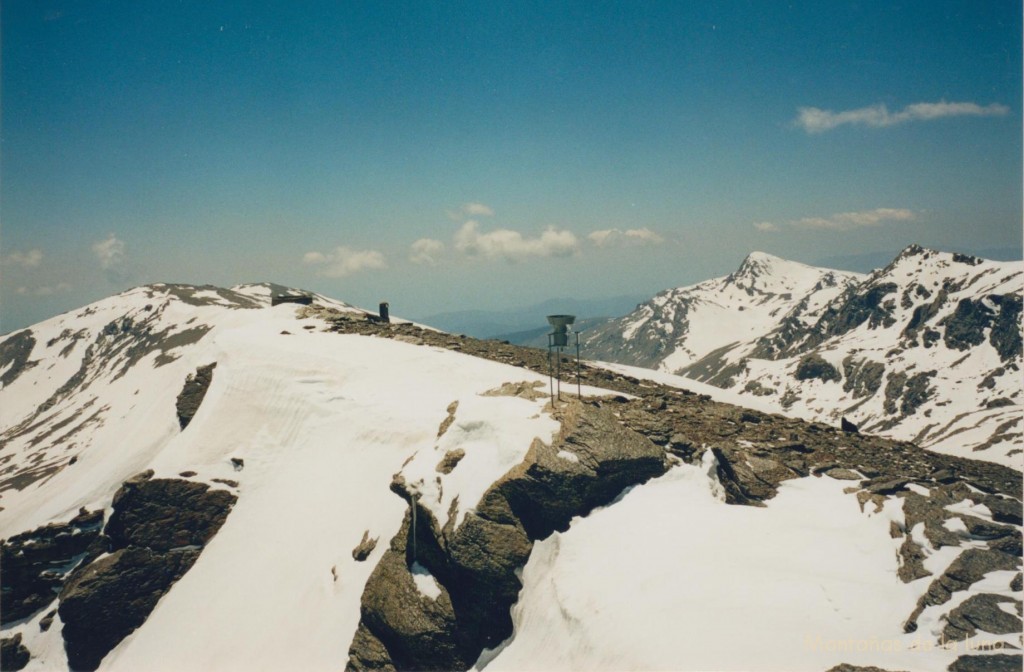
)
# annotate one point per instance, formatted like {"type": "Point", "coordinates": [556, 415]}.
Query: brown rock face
{"type": "Point", "coordinates": [166, 513]}
{"type": "Point", "coordinates": [193, 392]}
{"type": "Point", "coordinates": [475, 565]}
{"type": "Point", "coordinates": [13, 654]}
{"type": "Point", "coordinates": [113, 596]}
{"type": "Point", "coordinates": [35, 563]}
{"type": "Point", "coordinates": [156, 533]}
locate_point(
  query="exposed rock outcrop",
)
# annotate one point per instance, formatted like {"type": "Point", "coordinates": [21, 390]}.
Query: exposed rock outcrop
{"type": "Point", "coordinates": [969, 568]}
{"type": "Point", "coordinates": [166, 513]}
{"type": "Point", "coordinates": [475, 563]}
{"type": "Point", "coordinates": [157, 531]}
{"type": "Point", "coordinates": [982, 612]}
{"type": "Point", "coordinates": [13, 654]}
{"type": "Point", "coordinates": [364, 548]}
{"type": "Point", "coordinates": [193, 393]}
{"type": "Point", "coordinates": [114, 595]}
{"type": "Point", "coordinates": [814, 366]}
{"type": "Point", "coordinates": [35, 563]}
{"type": "Point", "coordinates": [15, 351]}
{"type": "Point", "coordinates": [997, 662]}
{"type": "Point", "coordinates": [755, 453]}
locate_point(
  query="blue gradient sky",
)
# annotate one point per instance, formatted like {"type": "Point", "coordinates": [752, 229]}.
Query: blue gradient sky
{"type": "Point", "coordinates": [233, 142]}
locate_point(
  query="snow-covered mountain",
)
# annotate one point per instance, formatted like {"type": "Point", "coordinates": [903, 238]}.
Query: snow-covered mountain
{"type": "Point", "coordinates": [927, 349]}
{"type": "Point", "coordinates": [679, 327]}
{"type": "Point", "coordinates": [195, 478]}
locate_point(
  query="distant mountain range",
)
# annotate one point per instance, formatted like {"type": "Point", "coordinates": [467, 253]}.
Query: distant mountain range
{"type": "Point", "coordinates": [927, 348]}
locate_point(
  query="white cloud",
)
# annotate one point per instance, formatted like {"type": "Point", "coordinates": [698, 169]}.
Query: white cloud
{"type": "Point", "coordinates": [843, 221]}
{"type": "Point", "coordinates": [426, 251]}
{"type": "Point", "coordinates": [470, 210]}
{"type": "Point", "coordinates": [111, 255]}
{"type": "Point", "coordinates": [343, 261]}
{"type": "Point", "coordinates": [30, 259]}
{"type": "Point", "coordinates": [817, 120]}
{"type": "Point", "coordinates": [477, 210]}
{"type": "Point", "coordinates": [511, 245]}
{"type": "Point", "coordinates": [615, 236]}
{"type": "Point", "coordinates": [44, 291]}
{"type": "Point", "coordinates": [853, 220]}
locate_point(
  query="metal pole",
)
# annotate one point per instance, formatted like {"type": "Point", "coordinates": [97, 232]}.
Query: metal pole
{"type": "Point", "coordinates": [551, 380]}
{"type": "Point", "coordinates": [579, 385]}
{"type": "Point", "coordinates": [558, 353]}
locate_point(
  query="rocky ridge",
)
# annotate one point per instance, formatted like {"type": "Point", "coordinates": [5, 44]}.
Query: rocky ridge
{"type": "Point", "coordinates": [897, 352]}
{"type": "Point", "coordinates": [946, 501]}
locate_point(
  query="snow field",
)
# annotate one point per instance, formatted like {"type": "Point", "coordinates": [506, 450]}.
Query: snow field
{"type": "Point", "coordinates": [799, 585]}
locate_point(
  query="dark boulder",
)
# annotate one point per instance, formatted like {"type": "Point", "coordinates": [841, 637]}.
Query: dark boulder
{"type": "Point", "coordinates": [450, 460]}
{"type": "Point", "coordinates": [15, 351]}
{"type": "Point", "coordinates": [35, 563]}
{"type": "Point", "coordinates": [106, 601]}
{"type": "Point", "coordinates": [981, 612]}
{"type": "Point", "coordinates": [966, 326]}
{"type": "Point", "coordinates": [364, 548]}
{"type": "Point", "coordinates": [157, 531]}
{"type": "Point", "coordinates": [545, 491]}
{"type": "Point", "coordinates": [415, 630]}
{"type": "Point", "coordinates": [848, 426]}
{"type": "Point", "coordinates": [476, 564]}
{"type": "Point", "coordinates": [193, 393]}
{"type": "Point", "coordinates": [13, 654]}
{"type": "Point", "coordinates": [1005, 336]}
{"type": "Point", "coordinates": [816, 367]}
{"type": "Point", "coordinates": [998, 662]}
{"type": "Point", "coordinates": [968, 568]}
{"type": "Point", "coordinates": [165, 513]}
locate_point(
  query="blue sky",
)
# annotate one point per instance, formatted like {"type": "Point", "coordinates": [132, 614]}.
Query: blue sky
{"type": "Point", "coordinates": [491, 154]}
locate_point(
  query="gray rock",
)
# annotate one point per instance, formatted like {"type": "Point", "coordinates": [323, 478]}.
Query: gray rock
{"type": "Point", "coordinates": [911, 561]}
{"type": "Point", "coordinates": [981, 612]}
{"type": "Point", "coordinates": [368, 653]}
{"type": "Point", "coordinates": [863, 377]}
{"type": "Point", "coordinates": [36, 563]}
{"type": "Point", "coordinates": [814, 366]}
{"type": "Point", "coordinates": [447, 422]}
{"type": "Point", "coordinates": [968, 568]}
{"type": "Point", "coordinates": [165, 513]}
{"type": "Point", "coordinates": [13, 654]}
{"type": "Point", "coordinates": [15, 351]}
{"type": "Point", "coordinates": [416, 631]}
{"type": "Point", "coordinates": [476, 564]}
{"type": "Point", "coordinates": [843, 474]}
{"type": "Point", "coordinates": [365, 547]}
{"type": "Point", "coordinates": [450, 460]}
{"type": "Point", "coordinates": [193, 393]}
{"type": "Point", "coordinates": [998, 662]}
{"type": "Point", "coordinates": [104, 602]}
{"type": "Point", "coordinates": [157, 531]}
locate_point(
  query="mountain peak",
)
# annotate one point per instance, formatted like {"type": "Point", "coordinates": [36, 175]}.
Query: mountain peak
{"type": "Point", "coordinates": [768, 273]}
{"type": "Point", "coordinates": [757, 260]}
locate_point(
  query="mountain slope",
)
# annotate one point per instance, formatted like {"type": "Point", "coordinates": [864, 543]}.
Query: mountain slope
{"type": "Point", "coordinates": [340, 489]}
{"type": "Point", "coordinates": [926, 349]}
{"type": "Point", "coordinates": [680, 326]}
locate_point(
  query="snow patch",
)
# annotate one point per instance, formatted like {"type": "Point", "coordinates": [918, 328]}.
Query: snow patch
{"type": "Point", "coordinates": [425, 581]}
